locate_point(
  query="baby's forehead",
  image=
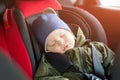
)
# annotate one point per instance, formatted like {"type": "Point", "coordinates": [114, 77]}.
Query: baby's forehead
{"type": "Point", "coordinates": [57, 32]}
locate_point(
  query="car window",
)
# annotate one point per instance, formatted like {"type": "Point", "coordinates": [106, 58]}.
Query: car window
{"type": "Point", "coordinates": [114, 3]}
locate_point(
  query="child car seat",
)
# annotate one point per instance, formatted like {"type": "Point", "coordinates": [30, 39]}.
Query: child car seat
{"type": "Point", "coordinates": [70, 15]}
{"type": "Point", "coordinates": [89, 24]}
{"type": "Point", "coordinates": [21, 44]}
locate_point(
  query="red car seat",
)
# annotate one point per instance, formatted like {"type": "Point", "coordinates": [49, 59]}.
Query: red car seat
{"type": "Point", "coordinates": [17, 35]}
{"type": "Point", "coordinates": [15, 43]}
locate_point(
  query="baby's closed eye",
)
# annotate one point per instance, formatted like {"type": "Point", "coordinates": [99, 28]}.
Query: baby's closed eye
{"type": "Point", "coordinates": [51, 44]}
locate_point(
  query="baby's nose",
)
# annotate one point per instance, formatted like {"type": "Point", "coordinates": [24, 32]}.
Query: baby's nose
{"type": "Point", "coordinates": [62, 42]}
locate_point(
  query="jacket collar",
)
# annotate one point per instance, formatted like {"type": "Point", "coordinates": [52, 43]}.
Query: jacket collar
{"type": "Point", "coordinates": [80, 37]}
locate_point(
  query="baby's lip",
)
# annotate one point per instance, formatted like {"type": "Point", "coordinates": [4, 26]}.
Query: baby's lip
{"type": "Point", "coordinates": [66, 47]}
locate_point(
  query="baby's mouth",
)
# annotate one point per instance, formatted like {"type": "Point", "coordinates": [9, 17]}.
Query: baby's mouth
{"type": "Point", "coordinates": [66, 47]}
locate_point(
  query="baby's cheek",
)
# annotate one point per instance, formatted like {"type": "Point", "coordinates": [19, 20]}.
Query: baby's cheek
{"type": "Point", "coordinates": [59, 50]}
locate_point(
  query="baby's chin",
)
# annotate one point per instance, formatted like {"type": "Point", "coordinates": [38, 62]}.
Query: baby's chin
{"type": "Point", "coordinates": [62, 51]}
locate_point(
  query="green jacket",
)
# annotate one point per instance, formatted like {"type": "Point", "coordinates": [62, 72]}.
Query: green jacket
{"type": "Point", "coordinates": [81, 58]}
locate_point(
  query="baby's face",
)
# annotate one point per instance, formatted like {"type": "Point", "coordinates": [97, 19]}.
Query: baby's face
{"type": "Point", "coordinates": [60, 41]}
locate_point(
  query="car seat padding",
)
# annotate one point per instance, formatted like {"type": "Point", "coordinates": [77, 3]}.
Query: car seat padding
{"type": "Point", "coordinates": [15, 43]}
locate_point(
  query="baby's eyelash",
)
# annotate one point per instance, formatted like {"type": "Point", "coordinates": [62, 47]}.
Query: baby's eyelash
{"type": "Point", "coordinates": [52, 44]}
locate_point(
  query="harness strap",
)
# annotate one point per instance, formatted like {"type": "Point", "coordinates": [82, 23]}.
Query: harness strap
{"type": "Point", "coordinates": [98, 69]}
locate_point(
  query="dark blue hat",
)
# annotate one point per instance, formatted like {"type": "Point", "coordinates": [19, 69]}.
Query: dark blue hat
{"type": "Point", "coordinates": [45, 24]}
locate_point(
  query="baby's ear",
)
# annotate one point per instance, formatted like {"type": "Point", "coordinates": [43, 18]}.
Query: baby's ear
{"type": "Point", "coordinates": [49, 10]}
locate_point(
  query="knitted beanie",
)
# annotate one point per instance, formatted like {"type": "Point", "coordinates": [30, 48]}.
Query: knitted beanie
{"type": "Point", "coordinates": [45, 24]}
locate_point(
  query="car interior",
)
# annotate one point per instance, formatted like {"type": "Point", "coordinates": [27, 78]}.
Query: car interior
{"type": "Point", "coordinates": [19, 46]}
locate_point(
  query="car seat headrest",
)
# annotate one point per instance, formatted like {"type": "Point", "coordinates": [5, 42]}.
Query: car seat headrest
{"type": "Point", "coordinates": [36, 6]}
